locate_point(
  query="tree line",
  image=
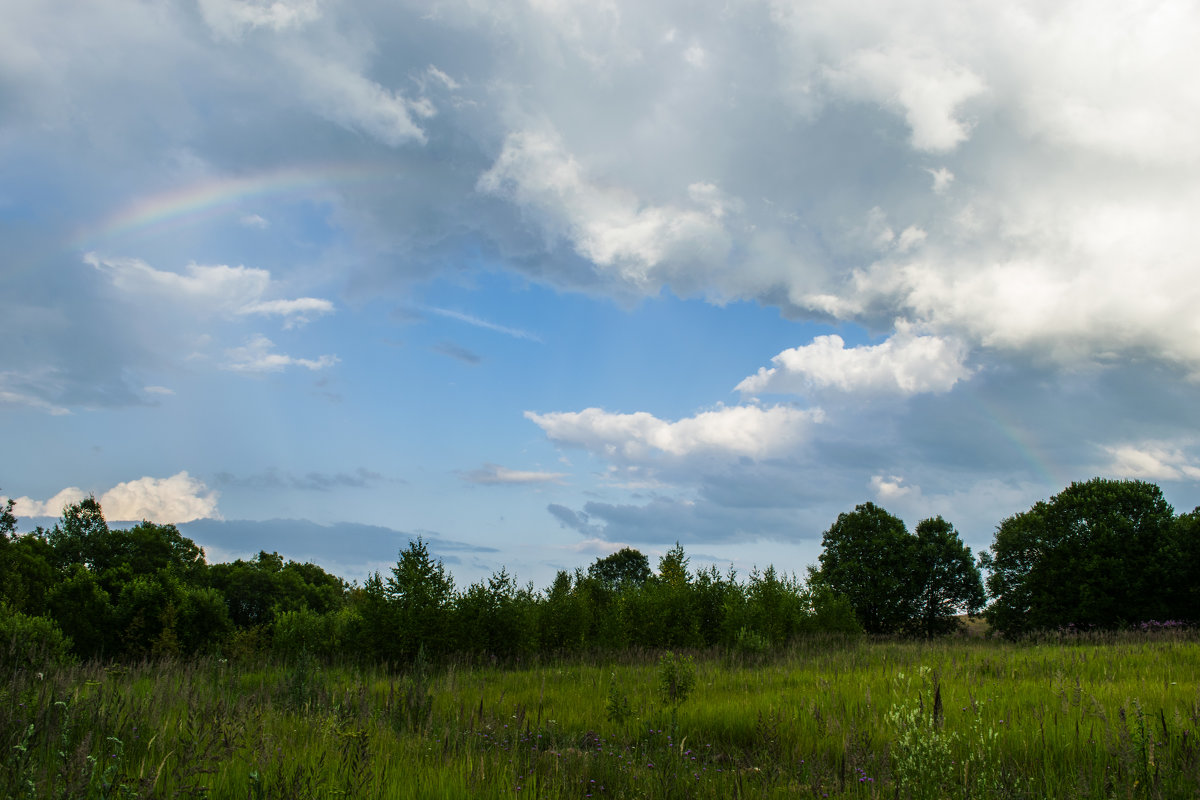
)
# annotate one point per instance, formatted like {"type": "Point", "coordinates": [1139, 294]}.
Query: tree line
{"type": "Point", "coordinates": [1101, 554]}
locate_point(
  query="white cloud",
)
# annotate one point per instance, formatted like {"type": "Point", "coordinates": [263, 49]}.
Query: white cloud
{"type": "Point", "coordinates": [942, 178]}
{"type": "Point", "coordinates": [158, 390]}
{"type": "Point", "coordinates": [233, 18]}
{"type": "Point", "coordinates": [904, 364]}
{"type": "Point", "coordinates": [179, 498]}
{"type": "Point", "coordinates": [494, 474]}
{"type": "Point", "coordinates": [217, 287]}
{"type": "Point", "coordinates": [295, 312]}
{"type": "Point", "coordinates": [209, 289]}
{"type": "Point", "coordinates": [891, 488]}
{"type": "Point", "coordinates": [1151, 461]}
{"type": "Point", "coordinates": [929, 89]}
{"type": "Point", "coordinates": [728, 432]}
{"type": "Point", "coordinates": [258, 356]}
{"type": "Point", "coordinates": [13, 398]}
{"type": "Point", "coordinates": [255, 221]}
{"type": "Point", "coordinates": [341, 94]}
{"type": "Point", "coordinates": [610, 226]}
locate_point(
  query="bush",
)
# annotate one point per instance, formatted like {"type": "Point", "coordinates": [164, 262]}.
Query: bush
{"type": "Point", "coordinates": [29, 642]}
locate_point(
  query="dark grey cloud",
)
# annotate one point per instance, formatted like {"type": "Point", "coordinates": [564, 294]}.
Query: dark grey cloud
{"type": "Point", "coordinates": [577, 521]}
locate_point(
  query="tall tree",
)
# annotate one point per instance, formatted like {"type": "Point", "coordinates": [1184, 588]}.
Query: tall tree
{"type": "Point", "coordinates": [624, 568]}
{"type": "Point", "coordinates": [945, 577]}
{"type": "Point", "coordinates": [1094, 556]}
{"type": "Point", "coordinates": [865, 559]}
{"type": "Point", "coordinates": [421, 591]}
{"type": "Point", "coordinates": [896, 581]}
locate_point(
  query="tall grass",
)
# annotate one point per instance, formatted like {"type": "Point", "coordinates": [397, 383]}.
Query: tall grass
{"type": "Point", "coordinates": [1097, 717]}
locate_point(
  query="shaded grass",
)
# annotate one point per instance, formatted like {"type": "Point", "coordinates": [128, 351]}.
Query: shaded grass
{"type": "Point", "coordinates": [1105, 716]}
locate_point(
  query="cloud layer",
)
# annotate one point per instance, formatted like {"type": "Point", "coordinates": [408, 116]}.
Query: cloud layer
{"type": "Point", "coordinates": [726, 433]}
{"type": "Point", "coordinates": [179, 498]}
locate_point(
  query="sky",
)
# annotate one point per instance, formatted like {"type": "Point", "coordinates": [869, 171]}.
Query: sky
{"type": "Point", "coordinates": [539, 279]}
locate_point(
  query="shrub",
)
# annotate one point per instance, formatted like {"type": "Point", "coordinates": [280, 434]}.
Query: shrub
{"type": "Point", "coordinates": [27, 641]}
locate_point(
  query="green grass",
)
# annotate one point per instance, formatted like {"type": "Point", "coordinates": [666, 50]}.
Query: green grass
{"type": "Point", "coordinates": [1101, 717]}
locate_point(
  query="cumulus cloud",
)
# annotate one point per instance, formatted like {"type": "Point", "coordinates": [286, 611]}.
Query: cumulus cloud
{"type": "Point", "coordinates": [179, 498]}
{"type": "Point", "coordinates": [610, 226]}
{"type": "Point", "coordinates": [257, 356]}
{"type": "Point", "coordinates": [1060, 144]}
{"type": "Point", "coordinates": [928, 89]}
{"type": "Point", "coordinates": [494, 475]}
{"type": "Point", "coordinates": [208, 289]}
{"type": "Point", "coordinates": [903, 364]}
{"type": "Point", "coordinates": [341, 94]}
{"type": "Point", "coordinates": [891, 487]}
{"type": "Point", "coordinates": [727, 432]}
{"type": "Point", "coordinates": [1152, 461]}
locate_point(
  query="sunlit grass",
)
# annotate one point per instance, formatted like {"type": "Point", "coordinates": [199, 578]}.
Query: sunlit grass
{"type": "Point", "coordinates": [1105, 717]}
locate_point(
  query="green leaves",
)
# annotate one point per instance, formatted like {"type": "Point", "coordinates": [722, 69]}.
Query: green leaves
{"type": "Point", "coordinates": [1097, 555]}
{"type": "Point", "coordinates": [897, 581]}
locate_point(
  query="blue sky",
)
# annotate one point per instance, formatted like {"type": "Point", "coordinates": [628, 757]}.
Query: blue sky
{"type": "Point", "coordinates": [537, 280]}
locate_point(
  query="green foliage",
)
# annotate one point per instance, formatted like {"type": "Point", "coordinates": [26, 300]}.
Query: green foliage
{"type": "Point", "coordinates": [26, 573]}
{"type": "Point", "coordinates": [420, 592]}
{"type": "Point", "coordinates": [896, 581]}
{"type": "Point", "coordinates": [202, 619]}
{"type": "Point", "coordinates": [79, 536]}
{"type": "Point", "coordinates": [1094, 556]}
{"type": "Point", "coordinates": [84, 612]}
{"type": "Point", "coordinates": [676, 678]}
{"type": "Point", "coordinates": [830, 612]}
{"type": "Point", "coordinates": [304, 632]}
{"type": "Point", "coordinates": [625, 568]}
{"type": "Point", "coordinates": [496, 618]}
{"type": "Point", "coordinates": [8, 522]}
{"type": "Point", "coordinates": [616, 706]}
{"type": "Point", "coordinates": [1181, 559]}
{"type": "Point", "coordinates": [31, 642]}
{"type": "Point", "coordinates": [561, 616]}
{"type": "Point", "coordinates": [863, 558]}
{"type": "Point", "coordinates": [945, 579]}
{"type": "Point", "coordinates": [929, 760]}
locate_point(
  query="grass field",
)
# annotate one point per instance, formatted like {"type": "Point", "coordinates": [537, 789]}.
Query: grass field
{"type": "Point", "coordinates": [1094, 717]}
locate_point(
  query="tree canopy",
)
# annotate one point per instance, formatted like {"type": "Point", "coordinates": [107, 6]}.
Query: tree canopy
{"type": "Point", "coordinates": [1096, 555]}
{"type": "Point", "coordinates": [895, 581]}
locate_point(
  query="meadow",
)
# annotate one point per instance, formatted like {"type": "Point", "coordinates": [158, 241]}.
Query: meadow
{"type": "Point", "coordinates": [1078, 716]}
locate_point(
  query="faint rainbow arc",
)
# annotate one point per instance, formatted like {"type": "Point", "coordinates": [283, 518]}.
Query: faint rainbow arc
{"type": "Point", "coordinates": [211, 196]}
{"type": "Point", "coordinates": [1020, 439]}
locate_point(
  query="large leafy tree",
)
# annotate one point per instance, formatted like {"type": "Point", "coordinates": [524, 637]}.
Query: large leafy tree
{"type": "Point", "coordinates": [623, 569]}
{"type": "Point", "coordinates": [896, 581]}
{"type": "Point", "coordinates": [865, 558]}
{"type": "Point", "coordinates": [946, 580]}
{"type": "Point", "coordinates": [1094, 556]}
{"type": "Point", "coordinates": [1182, 560]}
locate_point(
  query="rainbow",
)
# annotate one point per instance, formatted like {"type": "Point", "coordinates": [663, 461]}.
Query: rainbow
{"type": "Point", "coordinates": [212, 197]}
{"type": "Point", "coordinates": [1024, 444]}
